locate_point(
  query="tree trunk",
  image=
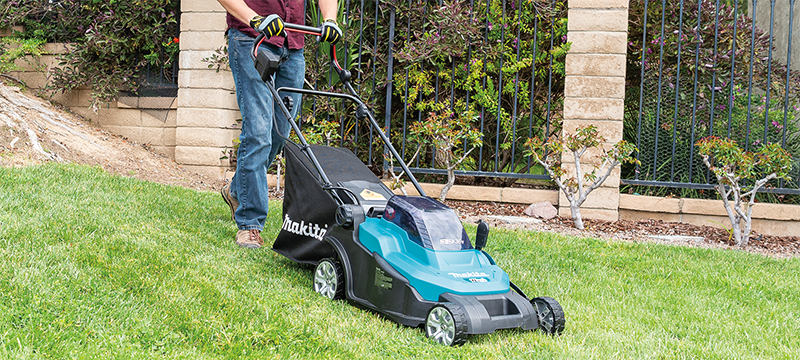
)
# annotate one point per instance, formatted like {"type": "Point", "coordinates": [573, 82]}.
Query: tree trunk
{"type": "Point", "coordinates": [576, 215]}
{"type": "Point", "coordinates": [737, 232]}
{"type": "Point", "coordinates": [451, 179]}
{"type": "Point", "coordinates": [746, 232]}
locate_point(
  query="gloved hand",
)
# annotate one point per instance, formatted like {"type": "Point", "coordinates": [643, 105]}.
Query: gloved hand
{"type": "Point", "coordinates": [330, 32]}
{"type": "Point", "coordinates": [269, 26]}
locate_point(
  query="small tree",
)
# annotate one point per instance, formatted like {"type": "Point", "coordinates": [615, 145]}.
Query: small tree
{"type": "Point", "coordinates": [734, 167]}
{"type": "Point", "coordinates": [578, 187]}
{"type": "Point", "coordinates": [446, 133]}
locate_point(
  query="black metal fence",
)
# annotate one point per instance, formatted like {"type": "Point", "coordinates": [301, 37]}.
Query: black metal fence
{"type": "Point", "coordinates": [698, 68]}
{"type": "Point", "coordinates": [498, 62]}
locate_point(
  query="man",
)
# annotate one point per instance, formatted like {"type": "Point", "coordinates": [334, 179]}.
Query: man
{"type": "Point", "coordinates": [247, 194]}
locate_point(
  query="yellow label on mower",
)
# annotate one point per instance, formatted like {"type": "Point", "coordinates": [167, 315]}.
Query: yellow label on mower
{"type": "Point", "coordinates": [368, 194]}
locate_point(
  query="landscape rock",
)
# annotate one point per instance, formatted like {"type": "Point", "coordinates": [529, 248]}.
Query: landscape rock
{"type": "Point", "coordinates": [543, 210]}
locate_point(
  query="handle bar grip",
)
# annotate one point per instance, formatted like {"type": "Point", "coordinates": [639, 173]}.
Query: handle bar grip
{"type": "Point", "coordinates": [302, 29]}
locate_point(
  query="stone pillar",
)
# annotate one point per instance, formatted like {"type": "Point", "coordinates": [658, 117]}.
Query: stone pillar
{"type": "Point", "coordinates": [207, 109]}
{"type": "Point", "coordinates": [595, 90]}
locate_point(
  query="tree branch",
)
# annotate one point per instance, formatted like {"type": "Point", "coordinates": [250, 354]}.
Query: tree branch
{"type": "Point", "coordinates": [455, 164]}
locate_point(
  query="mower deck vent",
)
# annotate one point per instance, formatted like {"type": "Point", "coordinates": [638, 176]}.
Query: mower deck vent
{"type": "Point", "coordinates": [499, 306]}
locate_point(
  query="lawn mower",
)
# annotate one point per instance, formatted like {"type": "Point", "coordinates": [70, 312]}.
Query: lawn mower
{"type": "Point", "coordinates": [405, 257]}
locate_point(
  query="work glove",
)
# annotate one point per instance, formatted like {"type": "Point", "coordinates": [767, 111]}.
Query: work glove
{"type": "Point", "coordinates": [269, 26]}
{"type": "Point", "coordinates": [330, 32]}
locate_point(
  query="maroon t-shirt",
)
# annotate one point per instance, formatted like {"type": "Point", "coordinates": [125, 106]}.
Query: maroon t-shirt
{"type": "Point", "coordinates": [291, 11]}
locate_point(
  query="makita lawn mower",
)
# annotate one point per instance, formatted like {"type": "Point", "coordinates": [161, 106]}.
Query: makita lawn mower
{"type": "Point", "coordinates": [406, 257]}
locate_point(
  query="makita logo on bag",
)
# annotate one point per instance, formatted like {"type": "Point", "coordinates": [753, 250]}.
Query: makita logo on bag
{"type": "Point", "coordinates": [304, 229]}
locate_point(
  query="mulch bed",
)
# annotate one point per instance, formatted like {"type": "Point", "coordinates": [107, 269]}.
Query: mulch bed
{"type": "Point", "coordinates": [779, 246]}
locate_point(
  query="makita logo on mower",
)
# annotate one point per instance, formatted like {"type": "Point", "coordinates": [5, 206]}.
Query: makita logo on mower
{"type": "Point", "coordinates": [303, 228]}
{"type": "Point", "coordinates": [468, 274]}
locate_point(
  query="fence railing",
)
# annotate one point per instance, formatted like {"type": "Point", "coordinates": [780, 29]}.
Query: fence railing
{"type": "Point", "coordinates": [698, 68]}
{"type": "Point", "coordinates": [508, 75]}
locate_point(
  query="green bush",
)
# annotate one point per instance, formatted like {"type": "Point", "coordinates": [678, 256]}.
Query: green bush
{"type": "Point", "coordinates": [14, 49]}
{"type": "Point", "coordinates": [505, 77]}
{"type": "Point", "coordinates": [113, 40]}
{"type": "Point", "coordinates": [437, 46]}
{"type": "Point", "coordinates": [683, 132]}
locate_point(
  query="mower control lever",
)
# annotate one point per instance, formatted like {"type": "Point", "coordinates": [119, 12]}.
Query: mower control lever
{"type": "Point", "coordinates": [303, 29]}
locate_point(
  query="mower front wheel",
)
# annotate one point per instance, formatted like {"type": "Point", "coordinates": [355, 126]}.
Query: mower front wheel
{"type": "Point", "coordinates": [551, 315]}
{"type": "Point", "coordinates": [447, 324]}
{"type": "Point", "coordinates": [329, 279]}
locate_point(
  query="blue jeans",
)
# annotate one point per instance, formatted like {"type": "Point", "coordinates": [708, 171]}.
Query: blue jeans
{"type": "Point", "coordinates": [262, 119]}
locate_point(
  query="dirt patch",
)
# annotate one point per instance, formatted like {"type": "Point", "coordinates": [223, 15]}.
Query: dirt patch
{"type": "Point", "coordinates": [67, 137]}
{"type": "Point", "coordinates": [81, 141]}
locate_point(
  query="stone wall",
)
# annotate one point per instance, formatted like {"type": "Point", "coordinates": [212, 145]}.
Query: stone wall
{"type": "Point", "coordinates": [770, 219]}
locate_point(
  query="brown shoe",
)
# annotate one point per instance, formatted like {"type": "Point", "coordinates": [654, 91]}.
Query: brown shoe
{"type": "Point", "coordinates": [230, 200]}
{"type": "Point", "coordinates": [250, 239]}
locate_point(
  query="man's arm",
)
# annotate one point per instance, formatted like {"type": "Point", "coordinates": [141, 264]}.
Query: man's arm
{"type": "Point", "coordinates": [327, 8]}
{"type": "Point", "coordinates": [244, 13]}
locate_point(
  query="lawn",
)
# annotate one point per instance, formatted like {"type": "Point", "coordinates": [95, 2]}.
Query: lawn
{"type": "Point", "coordinates": [100, 266]}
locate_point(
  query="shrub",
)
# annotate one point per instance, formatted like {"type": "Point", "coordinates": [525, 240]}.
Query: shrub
{"type": "Point", "coordinates": [445, 133]}
{"type": "Point", "coordinates": [492, 61]}
{"type": "Point", "coordinates": [438, 47]}
{"type": "Point", "coordinates": [734, 168]}
{"type": "Point", "coordinates": [577, 187]}
{"type": "Point", "coordinates": [14, 49]}
{"type": "Point", "coordinates": [113, 40]}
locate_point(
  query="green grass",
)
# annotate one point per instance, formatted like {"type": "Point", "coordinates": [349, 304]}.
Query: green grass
{"type": "Point", "coordinates": [101, 266]}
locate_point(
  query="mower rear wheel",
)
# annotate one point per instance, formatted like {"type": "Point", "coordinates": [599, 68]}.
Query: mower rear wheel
{"type": "Point", "coordinates": [329, 279]}
{"type": "Point", "coordinates": [446, 324]}
{"type": "Point", "coordinates": [551, 315]}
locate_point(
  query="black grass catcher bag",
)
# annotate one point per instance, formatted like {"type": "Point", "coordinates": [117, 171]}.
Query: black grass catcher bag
{"type": "Point", "coordinates": [308, 210]}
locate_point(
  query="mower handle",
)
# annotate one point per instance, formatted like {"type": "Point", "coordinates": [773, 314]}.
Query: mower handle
{"type": "Point", "coordinates": [309, 30]}
{"type": "Point", "coordinates": [344, 76]}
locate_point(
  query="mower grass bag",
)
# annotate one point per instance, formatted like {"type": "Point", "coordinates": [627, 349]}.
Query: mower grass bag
{"type": "Point", "coordinates": [309, 211]}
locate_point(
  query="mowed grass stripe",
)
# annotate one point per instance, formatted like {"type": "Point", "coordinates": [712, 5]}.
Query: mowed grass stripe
{"type": "Point", "coordinates": [100, 266]}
